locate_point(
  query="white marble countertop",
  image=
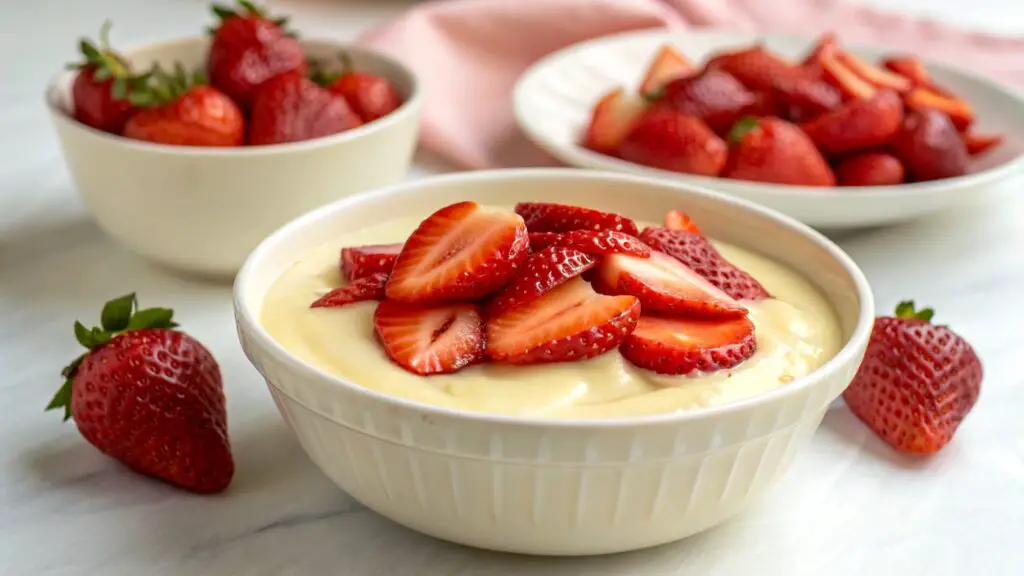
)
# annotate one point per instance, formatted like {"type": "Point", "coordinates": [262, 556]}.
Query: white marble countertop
{"type": "Point", "coordinates": [848, 506]}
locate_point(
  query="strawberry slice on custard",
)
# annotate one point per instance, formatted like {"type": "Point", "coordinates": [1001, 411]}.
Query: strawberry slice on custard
{"type": "Point", "coordinates": [570, 323]}
{"type": "Point", "coordinates": [360, 261]}
{"type": "Point", "coordinates": [359, 290]}
{"type": "Point", "coordinates": [602, 242]}
{"type": "Point", "coordinates": [679, 346]}
{"type": "Point", "coordinates": [542, 272]}
{"type": "Point", "coordinates": [430, 339]}
{"type": "Point", "coordinates": [548, 217]}
{"type": "Point", "coordinates": [461, 252]}
{"type": "Point", "coordinates": [664, 285]}
{"type": "Point", "coordinates": [679, 220]}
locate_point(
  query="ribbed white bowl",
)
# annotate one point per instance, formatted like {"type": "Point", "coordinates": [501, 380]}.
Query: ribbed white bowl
{"type": "Point", "coordinates": [554, 98]}
{"type": "Point", "coordinates": [545, 486]}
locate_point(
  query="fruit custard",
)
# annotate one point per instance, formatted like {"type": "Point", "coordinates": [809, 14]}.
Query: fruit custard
{"type": "Point", "coordinates": [550, 310]}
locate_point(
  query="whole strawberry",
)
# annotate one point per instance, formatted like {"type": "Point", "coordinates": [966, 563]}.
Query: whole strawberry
{"type": "Point", "coordinates": [917, 382]}
{"type": "Point", "coordinates": [291, 108]}
{"type": "Point", "coordinates": [150, 397]}
{"type": "Point", "coordinates": [181, 110]}
{"type": "Point", "coordinates": [775, 151]}
{"type": "Point", "coordinates": [666, 139]}
{"type": "Point", "coordinates": [104, 80]}
{"type": "Point", "coordinates": [370, 96]}
{"type": "Point", "coordinates": [248, 49]}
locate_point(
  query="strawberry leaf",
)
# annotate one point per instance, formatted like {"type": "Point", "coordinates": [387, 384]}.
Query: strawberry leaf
{"type": "Point", "coordinates": [741, 127]}
{"type": "Point", "coordinates": [62, 399]}
{"type": "Point", "coordinates": [117, 313]}
{"type": "Point", "coordinates": [152, 318]}
{"type": "Point", "coordinates": [906, 310]}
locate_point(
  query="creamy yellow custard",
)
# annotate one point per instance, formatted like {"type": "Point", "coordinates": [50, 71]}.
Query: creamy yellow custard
{"type": "Point", "coordinates": [796, 333]}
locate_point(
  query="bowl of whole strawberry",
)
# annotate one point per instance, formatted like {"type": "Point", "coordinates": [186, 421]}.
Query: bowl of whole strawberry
{"type": "Point", "coordinates": [832, 135]}
{"type": "Point", "coordinates": [190, 151]}
{"type": "Point", "coordinates": [552, 361]}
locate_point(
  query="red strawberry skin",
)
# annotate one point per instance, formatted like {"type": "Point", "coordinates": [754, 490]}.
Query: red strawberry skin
{"type": "Point", "coordinates": [247, 51]}
{"type": "Point", "coordinates": [870, 169]}
{"type": "Point", "coordinates": [360, 290]}
{"type": "Point", "coordinates": [916, 384]}
{"type": "Point", "coordinates": [714, 96]}
{"type": "Point", "coordinates": [369, 95]}
{"type": "Point", "coordinates": [757, 68]}
{"type": "Point", "coordinates": [542, 272]}
{"type": "Point", "coordinates": [430, 339]}
{"type": "Point", "coordinates": [804, 99]}
{"type": "Point", "coordinates": [603, 242]}
{"type": "Point", "coordinates": [858, 125]}
{"type": "Point", "coordinates": [203, 116]}
{"type": "Point", "coordinates": [360, 261]}
{"type": "Point", "coordinates": [95, 105]}
{"type": "Point", "coordinates": [930, 147]}
{"type": "Point", "coordinates": [548, 217]}
{"type": "Point", "coordinates": [682, 346]}
{"type": "Point", "coordinates": [696, 252]}
{"type": "Point", "coordinates": [292, 108]}
{"type": "Point", "coordinates": [775, 151]}
{"type": "Point", "coordinates": [541, 240]}
{"type": "Point", "coordinates": [669, 140]}
{"type": "Point", "coordinates": [153, 400]}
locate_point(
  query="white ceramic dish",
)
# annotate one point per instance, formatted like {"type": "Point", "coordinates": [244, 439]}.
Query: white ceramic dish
{"type": "Point", "coordinates": [202, 210]}
{"type": "Point", "coordinates": [541, 486]}
{"type": "Point", "coordinates": [553, 100]}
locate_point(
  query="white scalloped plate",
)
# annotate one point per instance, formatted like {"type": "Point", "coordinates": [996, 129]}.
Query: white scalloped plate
{"type": "Point", "coordinates": [553, 99]}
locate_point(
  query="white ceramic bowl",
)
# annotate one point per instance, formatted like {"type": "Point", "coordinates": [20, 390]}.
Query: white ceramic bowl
{"type": "Point", "coordinates": [202, 210]}
{"type": "Point", "coordinates": [543, 486]}
{"type": "Point", "coordinates": [554, 98]}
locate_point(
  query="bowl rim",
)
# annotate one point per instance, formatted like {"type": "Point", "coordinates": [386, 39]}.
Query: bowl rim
{"type": "Point", "coordinates": [409, 106]}
{"type": "Point", "coordinates": [847, 355]}
{"type": "Point", "coordinates": [579, 156]}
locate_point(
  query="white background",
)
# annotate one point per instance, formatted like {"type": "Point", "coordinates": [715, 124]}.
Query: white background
{"type": "Point", "coordinates": [848, 507]}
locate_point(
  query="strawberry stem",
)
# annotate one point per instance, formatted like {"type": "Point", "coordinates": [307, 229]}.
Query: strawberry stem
{"type": "Point", "coordinates": [741, 128]}
{"type": "Point", "coordinates": [906, 310]}
{"type": "Point", "coordinates": [118, 316]}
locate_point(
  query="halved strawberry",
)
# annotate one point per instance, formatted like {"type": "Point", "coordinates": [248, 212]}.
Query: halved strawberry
{"type": "Point", "coordinates": [613, 117]}
{"type": "Point", "coordinates": [366, 288]}
{"type": "Point", "coordinates": [430, 339]}
{"type": "Point", "coordinates": [958, 109]}
{"type": "Point", "coordinates": [461, 252]}
{"type": "Point", "coordinates": [541, 273]}
{"type": "Point", "coordinates": [877, 77]}
{"type": "Point", "coordinates": [679, 220]}
{"type": "Point", "coordinates": [684, 345]}
{"type": "Point", "coordinates": [601, 242]}
{"type": "Point", "coordinates": [978, 144]}
{"type": "Point", "coordinates": [697, 253]}
{"type": "Point", "coordinates": [547, 217]}
{"type": "Point", "coordinates": [665, 285]}
{"type": "Point", "coordinates": [841, 76]}
{"type": "Point", "coordinates": [570, 323]}
{"type": "Point", "coordinates": [909, 66]}
{"type": "Point", "coordinates": [541, 240]}
{"type": "Point", "coordinates": [360, 261]}
{"type": "Point", "coordinates": [667, 65]}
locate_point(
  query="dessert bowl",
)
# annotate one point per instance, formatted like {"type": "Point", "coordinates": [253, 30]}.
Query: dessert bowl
{"type": "Point", "coordinates": [202, 210]}
{"type": "Point", "coordinates": [554, 98]}
{"type": "Point", "coordinates": [540, 485]}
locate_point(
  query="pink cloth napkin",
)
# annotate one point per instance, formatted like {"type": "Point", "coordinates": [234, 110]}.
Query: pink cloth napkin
{"type": "Point", "coordinates": [469, 53]}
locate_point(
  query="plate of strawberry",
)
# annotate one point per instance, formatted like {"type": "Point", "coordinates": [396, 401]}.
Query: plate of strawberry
{"type": "Point", "coordinates": [832, 135]}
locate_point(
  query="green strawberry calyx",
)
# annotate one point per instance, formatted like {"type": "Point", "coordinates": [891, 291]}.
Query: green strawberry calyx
{"type": "Point", "coordinates": [319, 74]}
{"type": "Point", "coordinates": [107, 64]}
{"type": "Point", "coordinates": [161, 87]}
{"type": "Point", "coordinates": [245, 9]}
{"type": "Point", "coordinates": [907, 311]}
{"type": "Point", "coordinates": [120, 315]}
{"type": "Point", "coordinates": [741, 128]}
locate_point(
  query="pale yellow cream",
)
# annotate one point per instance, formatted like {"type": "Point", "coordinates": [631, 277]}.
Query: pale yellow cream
{"type": "Point", "coordinates": [796, 333]}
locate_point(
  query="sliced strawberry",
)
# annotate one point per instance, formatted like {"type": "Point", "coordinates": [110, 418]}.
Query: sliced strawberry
{"type": "Point", "coordinates": [461, 252]}
{"type": "Point", "coordinates": [541, 240]}
{"type": "Point", "coordinates": [613, 117]}
{"type": "Point", "coordinates": [360, 261]}
{"type": "Point", "coordinates": [601, 242]}
{"type": "Point", "coordinates": [541, 273]}
{"type": "Point", "coordinates": [684, 345]}
{"type": "Point", "coordinates": [667, 65]}
{"type": "Point", "coordinates": [679, 220]}
{"type": "Point", "coordinates": [697, 253]}
{"type": "Point", "coordinates": [366, 288]}
{"type": "Point", "coordinates": [958, 110]}
{"type": "Point", "coordinates": [877, 77]}
{"type": "Point", "coordinates": [910, 67]}
{"type": "Point", "coordinates": [827, 44]}
{"type": "Point", "coordinates": [978, 144]}
{"type": "Point", "coordinates": [664, 284]}
{"type": "Point", "coordinates": [547, 217]}
{"type": "Point", "coordinates": [570, 323]}
{"type": "Point", "coordinates": [430, 339]}
{"type": "Point", "coordinates": [839, 74]}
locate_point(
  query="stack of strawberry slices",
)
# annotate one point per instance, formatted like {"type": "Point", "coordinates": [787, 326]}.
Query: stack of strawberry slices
{"type": "Point", "coordinates": [258, 88]}
{"type": "Point", "coordinates": [551, 283]}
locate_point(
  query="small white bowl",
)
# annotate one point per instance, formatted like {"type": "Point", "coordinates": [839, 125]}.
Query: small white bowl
{"type": "Point", "coordinates": [202, 210]}
{"type": "Point", "coordinates": [540, 486]}
{"type": "Point", "coordinates": [554, 98]}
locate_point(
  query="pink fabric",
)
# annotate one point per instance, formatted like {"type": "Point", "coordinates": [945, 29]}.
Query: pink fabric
{"type": "Point", "coordinates": [469, 53]}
